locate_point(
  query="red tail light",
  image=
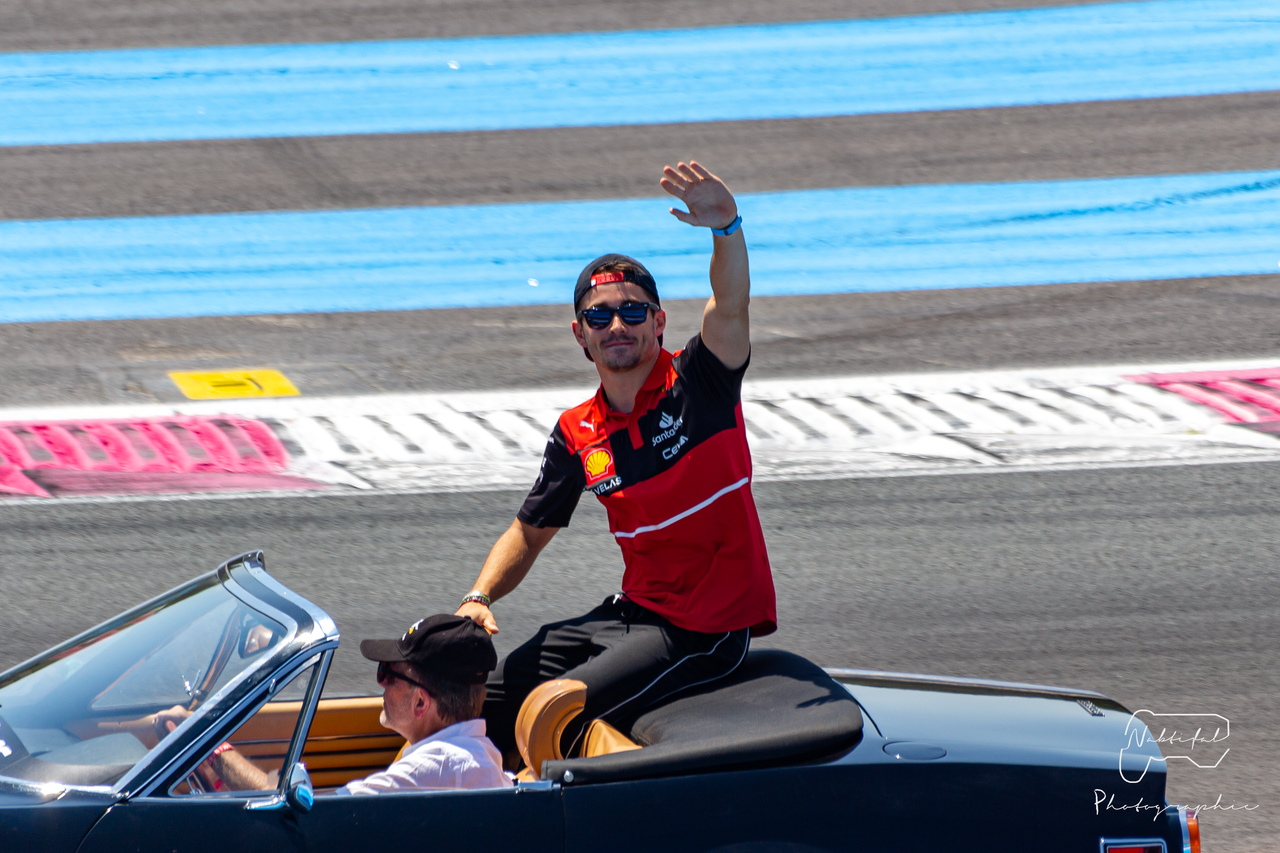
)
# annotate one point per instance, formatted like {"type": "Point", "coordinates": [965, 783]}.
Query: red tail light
{"type": "Point", "coordinates": [1187, 822]}
{"type": "Point", "coordinates": [1190, 831]}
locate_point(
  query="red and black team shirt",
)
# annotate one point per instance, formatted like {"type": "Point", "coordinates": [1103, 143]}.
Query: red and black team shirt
{"type": "Point", "coordinates": [675, 477]}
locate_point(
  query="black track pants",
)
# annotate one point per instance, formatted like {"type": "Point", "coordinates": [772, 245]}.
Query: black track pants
{"type": "Point", "coordinates": [629, 658]}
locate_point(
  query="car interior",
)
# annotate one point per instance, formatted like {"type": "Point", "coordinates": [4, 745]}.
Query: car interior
{"type": "Point", "coordinates": [777, 708]}
{"type": "Point", "coordinates": [89, 724]}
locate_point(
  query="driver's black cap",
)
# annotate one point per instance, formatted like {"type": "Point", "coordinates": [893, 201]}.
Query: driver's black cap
{"type": "Point", "coordinates": [454, 648]}
{"type": "Point", "coordinates": [588, 279]}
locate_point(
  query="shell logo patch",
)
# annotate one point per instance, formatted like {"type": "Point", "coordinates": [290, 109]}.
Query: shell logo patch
{"type": "Point", "coordinates": [597, 462]}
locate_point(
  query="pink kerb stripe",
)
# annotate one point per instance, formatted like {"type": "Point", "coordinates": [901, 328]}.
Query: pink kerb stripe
{"type": "Point", "coordinates": [181, 445]}
{"type": "Point", "coordinates": [1239, 412]}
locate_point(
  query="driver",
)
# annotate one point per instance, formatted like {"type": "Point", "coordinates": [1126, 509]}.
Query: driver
{"type": "Point", "coordinates": [663, 446]}
{"type": "Point", "coordinates": [433, 689]}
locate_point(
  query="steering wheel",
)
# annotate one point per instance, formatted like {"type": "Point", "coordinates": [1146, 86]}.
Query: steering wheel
{"type": "Point", "coordinates": [231, 633]}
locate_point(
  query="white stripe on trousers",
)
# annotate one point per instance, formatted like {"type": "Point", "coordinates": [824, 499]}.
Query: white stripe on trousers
{"type": "Point", "coordinates": [745, 646]}
{"type": "Point", "coordinates": [666, 673]}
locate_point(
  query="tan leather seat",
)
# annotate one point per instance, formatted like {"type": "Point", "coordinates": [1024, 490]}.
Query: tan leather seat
{"type": "Point", "coordinates": [603, 739]}
{"type": "Point", "coordinates": [542, 719]}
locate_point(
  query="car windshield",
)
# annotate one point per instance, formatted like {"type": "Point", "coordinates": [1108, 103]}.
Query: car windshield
{"type": "Point", "coordinates": [84, 714]}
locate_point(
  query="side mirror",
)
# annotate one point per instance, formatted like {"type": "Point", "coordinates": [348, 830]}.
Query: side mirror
{"type": "Point", "coordinates": [300, 794]}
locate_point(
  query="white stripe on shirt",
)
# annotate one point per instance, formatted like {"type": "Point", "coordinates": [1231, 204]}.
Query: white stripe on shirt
{"type": "Point", "coordinates": [649, 528]}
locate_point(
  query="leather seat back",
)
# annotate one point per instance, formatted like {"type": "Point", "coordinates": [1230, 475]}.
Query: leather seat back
{"type": "Point", "coordinates": [542, 719]}
{"type": "Point", "coordinates": [776, 707]}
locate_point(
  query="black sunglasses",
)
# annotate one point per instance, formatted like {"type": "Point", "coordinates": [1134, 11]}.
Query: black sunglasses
{"type": "Point", "coordinates": [632, 313]}
{"type": "Point", "coordinates": [386, 673]}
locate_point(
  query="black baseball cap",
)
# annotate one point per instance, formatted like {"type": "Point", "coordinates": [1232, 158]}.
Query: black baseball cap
{"type": "Point", "coordinates": [588, 278]}
{"type": "Point", "coordinates": [454, 648]}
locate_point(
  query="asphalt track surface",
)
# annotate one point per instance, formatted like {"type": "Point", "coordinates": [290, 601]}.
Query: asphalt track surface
{"type": "Point", "coordinates": [1220, 133]}
{"type": "Point", "coordinates": [531, 346]}
{"type": "Point", "coordinates": [1157, 586]}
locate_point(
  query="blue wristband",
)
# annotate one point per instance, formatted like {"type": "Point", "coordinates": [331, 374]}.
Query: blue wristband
{"type": "Point", "coordinates": [730, 228]}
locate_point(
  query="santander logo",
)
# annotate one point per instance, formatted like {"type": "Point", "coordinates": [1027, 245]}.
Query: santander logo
{"type": "Point", "coordinates": [669, 426]}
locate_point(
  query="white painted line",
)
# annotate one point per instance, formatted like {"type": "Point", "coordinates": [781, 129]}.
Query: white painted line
{"type": "Point", "coordinates": [520, 489]}
{"type": "Point", "coordinates": [834, 427]}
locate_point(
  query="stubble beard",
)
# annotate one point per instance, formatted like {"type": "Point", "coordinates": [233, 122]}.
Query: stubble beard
{"type": "Point", "coordinates": [621, 360]}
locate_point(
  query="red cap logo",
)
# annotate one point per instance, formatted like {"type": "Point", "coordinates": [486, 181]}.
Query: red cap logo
{"type": "Point", "coordinates": [607, 278]}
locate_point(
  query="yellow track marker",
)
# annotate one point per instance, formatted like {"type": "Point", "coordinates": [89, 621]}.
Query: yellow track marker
{"type": "Point", "coordinates": [233, 384]}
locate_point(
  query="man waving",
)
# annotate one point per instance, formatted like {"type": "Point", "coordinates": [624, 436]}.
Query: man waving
{"type": "Point", "coordinates": [662, 445]}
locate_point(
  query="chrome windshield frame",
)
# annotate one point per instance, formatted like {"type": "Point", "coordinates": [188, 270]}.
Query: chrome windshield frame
{"type": "Point", "coordinates": [309, 632]}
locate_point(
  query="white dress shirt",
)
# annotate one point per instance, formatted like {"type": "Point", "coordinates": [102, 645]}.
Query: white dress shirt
{"type": "Point", "coordinates": [458, 756]}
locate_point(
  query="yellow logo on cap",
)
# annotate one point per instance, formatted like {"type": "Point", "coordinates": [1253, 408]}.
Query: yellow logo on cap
{"type": "Point", "coordinates": [598, 462]}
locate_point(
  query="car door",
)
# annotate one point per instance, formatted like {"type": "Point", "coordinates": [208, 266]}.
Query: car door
{"type": "Point", "coordinates": [185, 813]}
{"type": "Point", "coordinates": [528, 818]}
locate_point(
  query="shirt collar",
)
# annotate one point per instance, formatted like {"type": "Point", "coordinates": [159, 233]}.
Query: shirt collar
{"type": "Point", "coordinates": [656, 379]}
{"type": "Point", "coordinates": [464, 729]}
{"type": "Point", "coordinates": [658, 376]}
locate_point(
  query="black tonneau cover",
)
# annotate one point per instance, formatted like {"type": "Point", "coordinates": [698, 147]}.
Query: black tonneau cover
{"type": "Point", "coordinates": [775, 708]}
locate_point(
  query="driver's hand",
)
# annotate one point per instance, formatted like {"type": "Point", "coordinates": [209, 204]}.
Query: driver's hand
{"type": "Point", "coordinates": [166, 721]}
{"type": "Point", "coordinates": [479, 614]}
{"type": "Point", "coordinates": [710, 203]}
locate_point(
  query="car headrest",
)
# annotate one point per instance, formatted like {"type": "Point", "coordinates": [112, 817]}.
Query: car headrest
{"type": "Point", "coordinates": [542, 719]}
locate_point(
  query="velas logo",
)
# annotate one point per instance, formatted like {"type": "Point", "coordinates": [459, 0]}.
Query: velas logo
{"type": "Point", "coordinates": [597, 462]}
{"type": "Point", "coordinates": [412, 628]}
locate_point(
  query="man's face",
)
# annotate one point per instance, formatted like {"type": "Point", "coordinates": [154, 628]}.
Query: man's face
{"type": "Point", "coordinates": [398, 699]}
{"type": "Point", "coordinates": [620, 347]}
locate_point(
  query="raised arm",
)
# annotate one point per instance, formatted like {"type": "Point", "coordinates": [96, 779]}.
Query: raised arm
{"type": "Point", "coordinates": [509, 561]}
{"type": "Point", "coordinates": [725, 327]}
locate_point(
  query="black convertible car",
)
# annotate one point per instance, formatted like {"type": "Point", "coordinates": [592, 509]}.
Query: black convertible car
{"type": "Point", "coordinates": [781, 756]}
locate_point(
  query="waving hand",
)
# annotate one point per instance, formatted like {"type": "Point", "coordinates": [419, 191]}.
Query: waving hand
{"type": "Point", "coordinates": [725, 327]}
{"type": "Point", "coordinates": [710, 203]}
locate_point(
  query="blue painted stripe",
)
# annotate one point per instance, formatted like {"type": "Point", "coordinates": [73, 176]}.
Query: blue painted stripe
{"type": "Point", "coordinates": [1103, 52]}
{"type": "Point", "coordinates": [807, 242]}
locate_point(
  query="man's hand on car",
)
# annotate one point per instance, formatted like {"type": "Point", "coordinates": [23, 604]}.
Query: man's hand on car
{"type": "Point", "coordinates": [480, 614]}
